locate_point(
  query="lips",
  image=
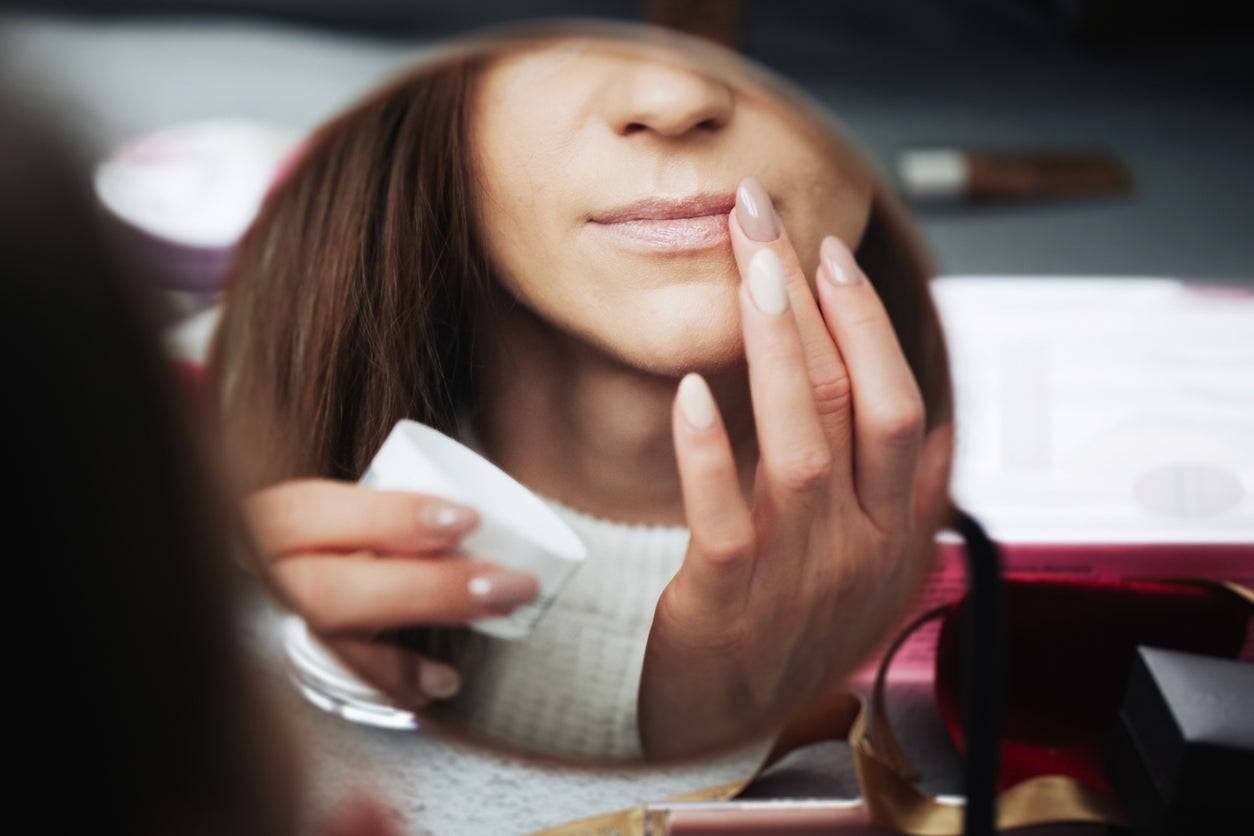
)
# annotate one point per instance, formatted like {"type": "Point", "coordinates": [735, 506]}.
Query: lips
{"type": "Point", "coordinates": [664, 224]}
{"type": "Point", "coordinates": [668, 209]}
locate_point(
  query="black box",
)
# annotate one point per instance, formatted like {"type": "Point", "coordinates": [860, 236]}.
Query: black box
{"type": "Point", "coordinates": [1182, 755]}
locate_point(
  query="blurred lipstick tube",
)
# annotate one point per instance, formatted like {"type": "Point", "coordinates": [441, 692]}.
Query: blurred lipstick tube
{"type": "Point", "coordinates": [759, 818]}
{"type": "Point", "coordinates": [957, 175]}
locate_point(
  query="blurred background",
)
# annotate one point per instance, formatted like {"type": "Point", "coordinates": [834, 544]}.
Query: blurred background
{"type": "Point", "coordinates": [1165, 87]}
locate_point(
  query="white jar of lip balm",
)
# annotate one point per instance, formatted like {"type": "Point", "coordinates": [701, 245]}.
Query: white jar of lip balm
{"type": "Point", "coordinates": [517, 531]}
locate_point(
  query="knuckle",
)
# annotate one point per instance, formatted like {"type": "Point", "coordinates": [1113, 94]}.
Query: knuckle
{"type": "Point", "coordinates": [729, 643]}
{"type": "Point", "coordinates": [729, 546]}
{"type": "Point", "coordinates": [861, 317]}
{"type": "Point", "coordinates": [851, 577]}
{"type": "Point", "coordinates": [805, 469]}
{"type": "Point", "coordinates": [902, 425]}
{"type": "Point", "coordinates": [833, 394]}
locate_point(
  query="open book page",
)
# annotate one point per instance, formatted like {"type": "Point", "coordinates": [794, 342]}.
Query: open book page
{"type": "Point", "coordinates": [1105, 429]}
{"type": "Point", "coordinates": [1114, 410]}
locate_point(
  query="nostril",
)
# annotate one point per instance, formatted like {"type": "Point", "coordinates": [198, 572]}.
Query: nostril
{"type": "Point", "coordinates": [711, 124]}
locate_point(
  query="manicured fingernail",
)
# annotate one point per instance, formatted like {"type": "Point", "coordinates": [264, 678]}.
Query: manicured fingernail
{"type": "Point", "coordinates": [695, 401]}
{"type": "Point", "coordinates": [503, 590]}
{"type": "Point", "coordinates": [444, 516]}
{"type": "Point", "coordinates": [438, 681]}
{"type": "Point", "coordinates": [766, 283]}
{"type": "Point", "coordinates": [755, 211]}
{"type": "Point", "coordinates": [837, 262]}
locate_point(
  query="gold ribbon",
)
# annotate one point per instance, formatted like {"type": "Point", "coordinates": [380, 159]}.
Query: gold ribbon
{"type": "Point", "coordinates": [885, 773]}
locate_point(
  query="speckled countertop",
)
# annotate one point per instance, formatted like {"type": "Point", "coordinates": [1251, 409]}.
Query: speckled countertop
{"type": "Point", "coordinates": [446, 788]}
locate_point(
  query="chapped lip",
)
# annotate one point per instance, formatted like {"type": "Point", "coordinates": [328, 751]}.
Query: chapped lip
{"type": "Point", "coordinates": [667, 209]}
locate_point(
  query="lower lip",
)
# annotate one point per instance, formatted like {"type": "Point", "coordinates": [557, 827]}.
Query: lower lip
{"type": "Point", "coordinates": [669, 235]}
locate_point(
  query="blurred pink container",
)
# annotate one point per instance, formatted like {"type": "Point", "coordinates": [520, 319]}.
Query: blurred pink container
{"type": "Point", "coordinates": [181, 198]}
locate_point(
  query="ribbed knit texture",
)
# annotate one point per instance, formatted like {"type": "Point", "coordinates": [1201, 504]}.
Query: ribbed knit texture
{"type": "Point", "coordinates": [570, 687]}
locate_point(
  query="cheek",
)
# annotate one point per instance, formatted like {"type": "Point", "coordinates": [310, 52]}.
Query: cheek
{"type": "Point", "coordinates": [530, 260]}
{"type": "Point", "coordinates": [822, 206]}
{"type": "Point", "coordinates": [521, 241]}
{"type": "Point", "coordinates": [819, 187]}
{"type": "Point", "coordinates": [518, 194]}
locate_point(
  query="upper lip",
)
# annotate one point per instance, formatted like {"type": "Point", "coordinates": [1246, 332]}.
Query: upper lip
{"type": "Point", "coordinates": [659, 208]}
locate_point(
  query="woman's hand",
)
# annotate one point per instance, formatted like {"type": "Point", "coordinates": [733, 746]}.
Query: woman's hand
{"type": "Point", "coordinates": [355, 562]}
{"type": "Point", "coordinates": [779, 597]}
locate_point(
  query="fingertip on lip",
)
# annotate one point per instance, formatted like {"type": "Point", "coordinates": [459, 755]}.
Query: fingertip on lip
{"type": "Point", "coordinates": [755, 212]}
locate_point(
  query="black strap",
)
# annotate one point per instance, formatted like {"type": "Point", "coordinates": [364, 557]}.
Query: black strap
{"type": "Point", "coordinates": [982, 675]}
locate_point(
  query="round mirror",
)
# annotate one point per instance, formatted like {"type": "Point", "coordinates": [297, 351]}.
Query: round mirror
{"type": "Point", "coordinates": [660, 290]}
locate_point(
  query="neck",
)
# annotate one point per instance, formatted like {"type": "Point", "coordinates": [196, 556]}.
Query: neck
{"type": "Point", "coordinates": [588, 430]}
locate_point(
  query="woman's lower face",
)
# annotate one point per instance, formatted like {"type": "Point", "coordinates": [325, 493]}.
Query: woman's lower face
{"type": "Point", "coordinates": [607, 175]}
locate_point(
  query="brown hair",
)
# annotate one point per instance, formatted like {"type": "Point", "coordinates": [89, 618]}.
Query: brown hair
{"type": "Point", "coordinates": [353, 299]}
{"type": "Point", "coordinates": [350, 303]}
{"type": "Point", "coordinates": [892, 258]}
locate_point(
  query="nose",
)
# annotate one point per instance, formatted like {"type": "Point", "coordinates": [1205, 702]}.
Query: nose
{"type": "Point", "coordinates": [666, 100]}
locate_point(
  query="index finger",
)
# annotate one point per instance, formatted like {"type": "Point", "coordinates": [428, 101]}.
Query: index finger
{"type": "Point", "coordinates": [757, 228]}
{"type": "Point", "coordinates": [314, 515]}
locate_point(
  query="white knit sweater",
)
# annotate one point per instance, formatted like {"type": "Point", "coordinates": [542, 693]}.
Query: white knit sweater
{"type": "Point", "coordinates": [570, 687]}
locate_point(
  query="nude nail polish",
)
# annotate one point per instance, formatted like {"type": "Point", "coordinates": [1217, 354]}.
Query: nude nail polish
{"type": "Point", "coordinates": [835, 258]}
{"type": "Point", "coordinates": [755, 211]}
{"type": "Point", "coordinates": [503, 590]}
{"type": "Point", "coordinates": [695, 402]}
{"type": "Point", "coordinates": [513, 527]}
{"type": "Point", "coordinates": [766, 283]}
{"type": "Point", "coordinates": [438, 681]}
{"type": "Point", "coordinates": [441, 516]}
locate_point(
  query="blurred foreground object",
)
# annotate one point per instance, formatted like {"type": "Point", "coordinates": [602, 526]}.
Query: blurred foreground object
{"type": "Point", "coordinates": [156, 724]}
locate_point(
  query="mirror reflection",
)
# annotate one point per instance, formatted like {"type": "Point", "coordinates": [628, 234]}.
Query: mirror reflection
{"type": "Point", "coordinates": [662, 292]}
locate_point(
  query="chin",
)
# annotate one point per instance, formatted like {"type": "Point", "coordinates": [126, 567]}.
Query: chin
{"type": "Point", "coordinates": [708, 341]}
{"type": "Point", "coordinates": [706, 358]}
